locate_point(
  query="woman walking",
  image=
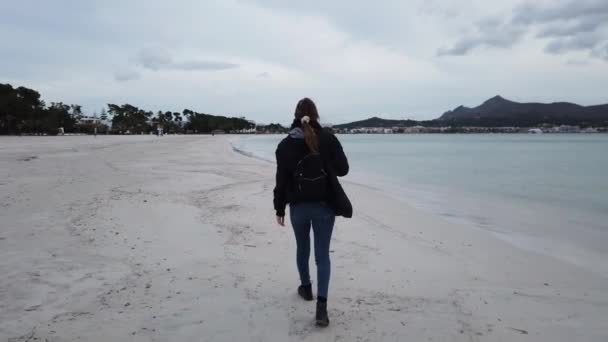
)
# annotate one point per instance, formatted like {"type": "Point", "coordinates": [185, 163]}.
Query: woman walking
{"type": "Point", "coordinates": [309, 160]}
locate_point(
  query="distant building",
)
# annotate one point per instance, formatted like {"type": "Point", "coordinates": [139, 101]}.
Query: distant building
{"type": "Point", "coordinates": [544, 128]}
{"type": "Point", "coordinates": [414, 129]}
{"type": "Point", "coordinates": [567, 129]}
{"type": "Point", "coordinates": [247, 130]}
{"type": "Point", "coordinates": [89, 120]}
{"type": "Point", "coordinates": [252, 128]}
{"type": "Point", "coordinates": [590, 130]}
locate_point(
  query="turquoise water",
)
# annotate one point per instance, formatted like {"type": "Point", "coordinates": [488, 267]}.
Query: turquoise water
{"type": "Point", "coordinates": [548, 193]}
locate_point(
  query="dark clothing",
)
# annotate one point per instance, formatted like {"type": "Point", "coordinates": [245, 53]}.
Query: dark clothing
{"type": "Point", "coordinates": [317, 209]}
{"type": "Point", "coordinates": [321, 218]}
{"type": "Point", "coordinates": [291, 150]}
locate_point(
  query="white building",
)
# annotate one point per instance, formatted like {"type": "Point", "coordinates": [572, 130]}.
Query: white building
{"type": "Point", "coordinates": [590, 130]}
{"type": "Point", "coordinates": [89, 119]}
{"type": "Point", "coordinates": [247, 130]}
{"type": "Point", "coordinates": [567, 129]}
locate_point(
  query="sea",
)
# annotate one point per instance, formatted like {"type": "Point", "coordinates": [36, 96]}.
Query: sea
{"type": "Point", "coordinates": [545, 193]}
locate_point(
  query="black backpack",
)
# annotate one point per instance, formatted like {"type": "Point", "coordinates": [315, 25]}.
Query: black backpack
{"type": "Point", "coordinates": [311, 179]}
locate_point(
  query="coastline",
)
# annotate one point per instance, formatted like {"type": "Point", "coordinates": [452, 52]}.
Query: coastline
{"type": "Point", "coordinates": [173, 238]}
{"type": "Point", "coordinates": [541, 225]}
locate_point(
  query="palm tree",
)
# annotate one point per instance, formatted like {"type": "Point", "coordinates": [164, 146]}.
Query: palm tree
{"type": "Point", "coordinates": [178, 120]}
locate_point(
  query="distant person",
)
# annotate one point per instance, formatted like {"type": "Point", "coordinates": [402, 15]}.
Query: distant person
{"type": "Point", "coordinates": [309, 160]}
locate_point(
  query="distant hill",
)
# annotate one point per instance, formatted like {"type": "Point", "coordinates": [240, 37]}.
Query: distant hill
{"type": "Point", "coordinates": [378, 122]}
{"type": "Point", "coordinates": [500, 112]}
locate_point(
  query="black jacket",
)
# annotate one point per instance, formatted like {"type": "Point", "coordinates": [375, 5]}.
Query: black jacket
{"type": "Point", "coordinates": [290, 151]}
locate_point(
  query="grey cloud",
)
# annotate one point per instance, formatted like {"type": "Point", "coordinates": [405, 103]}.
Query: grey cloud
{"type": "Point", "coordinates": [571, 26]}
{"type": "Point", "coordinates": [126, 75]}
{"type": "Point", "coordinates": [601, 51]}
{"type": "Point", "coordinates": [203, 65]}
{"type": "Point", "coordinates": [489, 23]}
{"type": "Point", "coordinates": [159, 58]}
{"type": "Point", "coordinates": [531, 12]}
{"type": "Point", "coordinates": [577, 62]}
{"type": "Point", "coordinates": [439, 8]}
{"type": "Point", "coordinates": [387, 23]}
{"type": "Point", "coordinates": [264, 74]}
{"type": "Point", "coordinates": [154, 59]}
{"type": "Point", "coordinates": [489, 34]}
{"type": "Point", "coordinates": [560, 29]}
{"type": "Point", "coordinates": [573, 43]}
{"type": "Point", "coordinates": [462, 47]}
{"type": "Point", "coordinates": [66, 59]}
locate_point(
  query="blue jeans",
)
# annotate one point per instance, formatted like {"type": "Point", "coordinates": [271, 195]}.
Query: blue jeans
{"type": "Point", "coordinates": [322, 218]}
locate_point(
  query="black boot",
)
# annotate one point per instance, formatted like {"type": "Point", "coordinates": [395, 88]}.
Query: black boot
{"type": "Point", "coordinates": [321, 316]}
{"type": "Point", "coordinates": [305, 291]}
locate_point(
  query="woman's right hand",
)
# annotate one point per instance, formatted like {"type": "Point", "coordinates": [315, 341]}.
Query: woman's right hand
{"type": "Point", "coordinates": [281, 220]}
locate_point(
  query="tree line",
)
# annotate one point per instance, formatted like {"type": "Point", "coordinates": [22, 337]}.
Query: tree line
{"type": "Point", "coordinates": [23, 112]}
{"type": "Point", "coordinates": [129, 118]}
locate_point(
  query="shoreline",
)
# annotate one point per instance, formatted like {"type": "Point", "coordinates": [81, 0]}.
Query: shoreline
{"type": "Point", "coordinates": [516, 220]}
{"type": "Point", "coordinates": [174, 239]}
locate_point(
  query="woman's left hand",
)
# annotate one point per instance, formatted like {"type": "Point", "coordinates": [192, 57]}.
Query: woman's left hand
{"type": "Point", "coordinates": [281, 220]}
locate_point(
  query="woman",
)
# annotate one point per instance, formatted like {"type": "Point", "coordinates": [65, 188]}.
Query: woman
{"type": "Point", "coordinates": [308, 161]}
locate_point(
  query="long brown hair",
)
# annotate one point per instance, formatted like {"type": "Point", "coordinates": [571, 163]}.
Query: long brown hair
{"type": "Point", "coordinates": [306, 107]}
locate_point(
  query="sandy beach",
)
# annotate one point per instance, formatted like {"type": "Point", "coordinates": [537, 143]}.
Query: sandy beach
{"type": "Point", "coordinates": [141, 238]}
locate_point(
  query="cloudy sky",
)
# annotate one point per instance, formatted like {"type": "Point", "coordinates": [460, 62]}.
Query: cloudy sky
{"type": "Point", "coordinates": [257, 58]}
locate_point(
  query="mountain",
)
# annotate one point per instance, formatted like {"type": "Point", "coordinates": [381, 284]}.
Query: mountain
{"type": "Point", "coordinates": [500, 112]}
{"type": "Point", "coordinates": [378, 122]}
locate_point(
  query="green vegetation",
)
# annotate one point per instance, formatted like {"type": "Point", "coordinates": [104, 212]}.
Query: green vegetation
{"type": "Point", "coordinates": [23, 112]}
{"type": "Point", "coordinates": [205, 123]}
{"type": "Point", "coordinates": [273, 128]}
